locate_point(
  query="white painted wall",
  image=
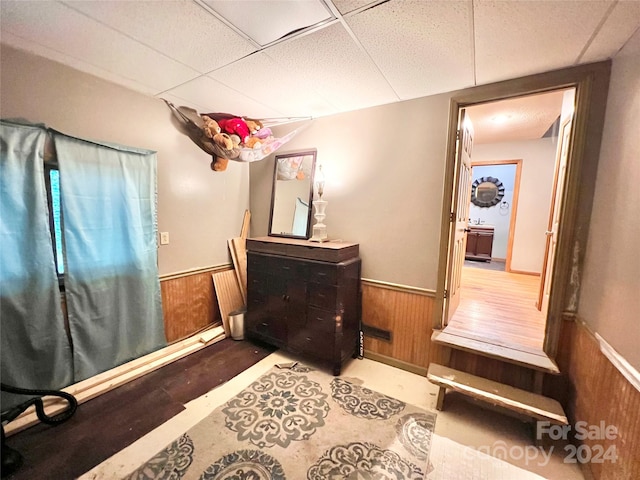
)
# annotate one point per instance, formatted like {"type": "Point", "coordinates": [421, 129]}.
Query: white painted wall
{"type": "Point", "coordinates": [538, 160]}
{"type": "Point", "coordinates": [199, 208]}
{"type": "Point", "coordinates": [384, 188]}
{"type": "Point", "coordinates": [610, 291]}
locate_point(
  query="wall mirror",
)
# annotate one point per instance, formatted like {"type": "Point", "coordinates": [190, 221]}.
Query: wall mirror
{"type": "Point", "coordinates": [292, 194]}
{"type": "Point", "coordinates": [486, 192]}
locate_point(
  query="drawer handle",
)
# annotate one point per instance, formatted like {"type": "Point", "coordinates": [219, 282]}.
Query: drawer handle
{"type": "Point", "coordinates": [308, 339]}
{"type": "Point", "coordinates": [286, 297]}
{"type": "Point", "coordinates": [321, 274]}
{"type": "Point", "coordinates": [264, 324]}
{"type": "Point", "coordinates": [286, 268]}
{"type": "Point", "coordinates": [320, 319]}
{"type": "Point", "coordinates": [321, 295]}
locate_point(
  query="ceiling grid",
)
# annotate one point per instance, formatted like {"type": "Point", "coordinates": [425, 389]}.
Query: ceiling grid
{"type": "Point", "coordinates": [363, 53]}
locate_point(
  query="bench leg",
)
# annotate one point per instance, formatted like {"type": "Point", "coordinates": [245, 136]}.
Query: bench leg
{"type": "Point", "coordinates": [440, 398]}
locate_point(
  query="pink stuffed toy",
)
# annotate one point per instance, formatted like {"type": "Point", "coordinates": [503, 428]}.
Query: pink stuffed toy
{"type": "Point", "coordinates": [235, 126]}
{"type": "Point", "coordinates": [263, 133]}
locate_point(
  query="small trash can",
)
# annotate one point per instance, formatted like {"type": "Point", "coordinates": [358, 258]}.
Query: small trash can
{"type": "Point", "coordinates": [236, 324]}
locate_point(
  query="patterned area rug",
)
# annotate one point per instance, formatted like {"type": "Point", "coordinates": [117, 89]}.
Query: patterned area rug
{"type": "Point", "coordinates": [301, 424]}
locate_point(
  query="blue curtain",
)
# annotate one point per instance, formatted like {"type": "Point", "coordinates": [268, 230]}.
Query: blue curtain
{"type": "Point", "coordinates": [108, 197]}
{"type": "Point", "coordinates": [35, 349]}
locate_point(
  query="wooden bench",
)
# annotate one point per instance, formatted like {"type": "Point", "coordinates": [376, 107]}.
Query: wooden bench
{"type": "Point", "coordinates": [495, 393]}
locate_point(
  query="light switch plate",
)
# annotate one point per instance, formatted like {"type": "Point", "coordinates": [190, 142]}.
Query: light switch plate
{"type": "Point", "coordinates": [164, 238]}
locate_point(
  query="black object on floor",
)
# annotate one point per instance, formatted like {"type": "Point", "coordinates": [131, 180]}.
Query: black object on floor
{"type": "Point", "coordinates": [105, 425]}
{"type": "Point", "coordinates": [11, 459]}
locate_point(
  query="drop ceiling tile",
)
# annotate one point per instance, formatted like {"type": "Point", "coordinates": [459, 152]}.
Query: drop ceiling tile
{"type": "Point", "coordinates": [329, 63]}
{"type": "Point", "coordinates": [617, 29]}
{"type": "Point", "coordinates": [182, 30]}
{"type": "Point", "coordinates": [632, 47]}
{"type": "Point", "coordinates": [346, 6]}
{"type": "Point", "coordinates": [182, 102]}
{"type": "Point", "coordinates": [62, 29]}
{"type": "Point", "coordinates": [216, 97]}
{"type": "Point", "coordinates": [269, 20]}
{"type": "Point", "coordinates": [514, 38]}
{"type": "Point", "coordinates": [422, 48]}
{"type": "Point", "coordinates": [259, 77]}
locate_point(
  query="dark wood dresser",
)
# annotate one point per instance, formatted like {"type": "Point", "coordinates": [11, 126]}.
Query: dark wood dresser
{"type": "Point", "coordinates": [304, 297]}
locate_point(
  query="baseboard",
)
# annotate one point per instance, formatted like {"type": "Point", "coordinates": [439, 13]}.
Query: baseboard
{"type": "Point", "coordinates": [523, 272]}
{"type": "Point", "coordinates": [106, 381]}
{"type": "Point", "coordinates": [409, 367]}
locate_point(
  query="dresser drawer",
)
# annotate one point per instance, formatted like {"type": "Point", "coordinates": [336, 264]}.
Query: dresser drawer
{"type": "Point", "coordinates": [321, 321]}
{"type": "Point", "coordinates": [318, 344]}
{"type": "Point", "coordinates": [267, 328]}
{"type": "Point", "coordinates": [323, 273]}
{"type": "Point", "coordinates": [276, 266]}
{"type": "Point", "coordinates": [323, 296]}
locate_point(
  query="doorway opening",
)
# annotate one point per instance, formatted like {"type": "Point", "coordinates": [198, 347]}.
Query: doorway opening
{"type": "Point", "coordinates": [493, 223]}
{"type": "Point", "coordinates": [508, 207]}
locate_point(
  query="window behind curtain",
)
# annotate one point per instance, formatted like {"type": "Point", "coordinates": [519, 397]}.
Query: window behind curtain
{"type": "Point", "coordinates": [109, 230]}
{"type": "Point", "coordinates": [52, 179]}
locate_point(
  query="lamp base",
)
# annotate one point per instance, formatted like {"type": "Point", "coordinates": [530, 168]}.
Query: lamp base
{"type": "Point", "coordinates": [319, 233]}
{"type": "Point", "coordinates": [319, 229]}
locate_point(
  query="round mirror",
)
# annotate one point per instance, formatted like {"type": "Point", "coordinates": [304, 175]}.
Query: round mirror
{"type": "Point", "coordinates": [486, 192]}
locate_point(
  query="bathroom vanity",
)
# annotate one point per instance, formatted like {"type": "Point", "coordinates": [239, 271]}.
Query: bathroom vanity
{"type": "Point", "coordinates": [479, 242]}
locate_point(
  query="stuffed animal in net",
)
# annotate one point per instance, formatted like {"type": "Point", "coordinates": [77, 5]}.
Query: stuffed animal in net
{"type": "Point", "coordinates": [235, 126]}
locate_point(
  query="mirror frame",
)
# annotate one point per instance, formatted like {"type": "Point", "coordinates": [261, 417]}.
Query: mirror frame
{"type": "Point", "coordinates": [482, 203]}
{"type": "Point", "coordinates": [297, 153]}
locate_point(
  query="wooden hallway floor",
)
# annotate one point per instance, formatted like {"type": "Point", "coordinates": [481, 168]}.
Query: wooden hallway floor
{"type": "Point", "coordinates": [499, 308]}
{"type": "Point", "coordinates": [107, 424]}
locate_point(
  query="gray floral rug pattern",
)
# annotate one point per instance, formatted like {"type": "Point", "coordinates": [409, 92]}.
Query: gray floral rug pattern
{"type": "Point", "coordinates": [301, 424]}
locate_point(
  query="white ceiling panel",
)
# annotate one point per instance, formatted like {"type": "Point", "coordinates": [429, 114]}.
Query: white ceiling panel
{"type": "Point", "coordinates": [216, 97]}
{"type": "Point", "coordinates": [268, 20]}
{"type": "Point", "coordinates": [62, 29]}
{"type": "Point", "coordinates": [632, 46]}
{"type": "Point", "coordinates": [513, 39]}
{"type": "Point", "coordinates": [375, 52]}
{"type": "Point", "coordinates": [273, 85]}
{"type": "Point", "coordinates": [182, 30]}
{"type": "Point", "coordinates": [619, 26]}
{"type": "Point", "coordinates": [179, 101]}
{"type": "Point", "coordinates": [421, 47]}
{"type": "Point", "coordinates": [346, 6]}
{"type": "Point", "coordinates": [329, 63]}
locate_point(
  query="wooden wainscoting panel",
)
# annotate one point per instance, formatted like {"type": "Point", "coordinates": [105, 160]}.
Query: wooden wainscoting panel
{"type": "Point", "coordinates": [598, 392]}
{"type": "Point", "coordinates": [406, 314]}
{"type": "Point", "coordinates": [189, 304]}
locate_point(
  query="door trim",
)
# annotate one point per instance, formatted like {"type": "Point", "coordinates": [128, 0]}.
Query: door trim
{"type": "Point", "coordinates": [591, 82]}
